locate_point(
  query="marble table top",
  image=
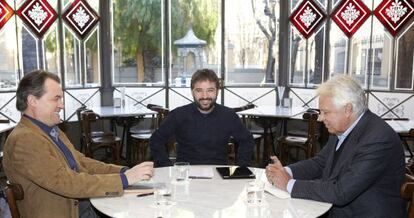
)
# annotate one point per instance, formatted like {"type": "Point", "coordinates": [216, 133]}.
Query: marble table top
{"type": "Point", "coordinates": [208, 198]}
{"type": "Point", "coordinates": [273, 111]}
{"type": "Point", "coordinates": [110, 111]}
{"type": "Point", "coordinates": [401, 126]}
{"type": "Point", "coordinates": [6, 126]}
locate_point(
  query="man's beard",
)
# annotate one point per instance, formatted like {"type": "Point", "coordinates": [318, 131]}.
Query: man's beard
{"type": "Point", "coordinates": [209, 107]}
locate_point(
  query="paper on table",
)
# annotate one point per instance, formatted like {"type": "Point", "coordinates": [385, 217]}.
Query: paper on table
{"type": "Point", "coordinates": [143, 187]}
{"type": "Point", "coordinates": [277, 192]}
{"type": "Point", "coordinates": [135, 190]}
{"type": "Point", "coordinates": [201, 172]}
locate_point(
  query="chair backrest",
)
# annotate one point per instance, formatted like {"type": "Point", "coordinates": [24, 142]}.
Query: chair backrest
{"type": "Point", "coordinates": [87, 117]}
{"type": "Point", "coordinates": [311, 116]}
{"type": "Point", "coordinates": [79, 112]}
{"type": "Point", "coordinates": [162, 112]}
{"type": "Point", "coordinates": [14, 193]}
{"type": "Point", "coordinates": [247, 120]}
{"type": "Point", "coordinates": [4, 121]}
{"type": "Point", "coordinates": [244, 107]}
{"type": "Point", "coordinates": [409, 166]}
{"type": "Point", "coordinates": [411, 132]}
{"type": "Point", "coordinates": [407, 193]}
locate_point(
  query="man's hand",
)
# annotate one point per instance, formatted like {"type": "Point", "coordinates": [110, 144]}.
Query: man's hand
{"type": "Point", "coordinates": [276, 174]}
{"type": "Point", "coordinates": [142, 171]}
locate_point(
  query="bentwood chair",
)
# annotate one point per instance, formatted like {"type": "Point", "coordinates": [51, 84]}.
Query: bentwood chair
{"type": "Point", "coordinates": [256, 133]}
{"type": "Point", "coordinates": [305, 143]}
{"type": "Point", "coordinates": [14, 192]}
{"type": "Point", "coordinates": [93, 142]}
{"type": "Point", "coordinates": [140, 137]}
{"type": "Point", "coordinates": [404, 136]}
{"type": "Point", "coordinates": [94, 133]}
{"type": "Point", "coordinates": [407, 193]}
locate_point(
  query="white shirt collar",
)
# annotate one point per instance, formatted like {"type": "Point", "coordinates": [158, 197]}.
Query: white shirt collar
{"type": "Point", "coordinates": [342, 137]}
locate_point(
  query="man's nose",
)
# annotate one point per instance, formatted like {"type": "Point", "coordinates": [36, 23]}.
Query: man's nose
{"type": "Point", "coordinates": [320, 118]}
{"type": "Point", "coordinates": [204, 94]}
{"type": "Point", "coordinates": [61, 105]}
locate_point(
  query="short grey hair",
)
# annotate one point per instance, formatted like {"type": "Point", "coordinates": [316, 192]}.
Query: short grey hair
{"type": "Point", "coordinates": [343, 89]}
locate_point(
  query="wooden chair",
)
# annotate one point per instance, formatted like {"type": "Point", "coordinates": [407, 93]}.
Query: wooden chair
{"type": "Point", "coordinates": [404, 136]}
{"type": "Point", "coordinates": [82, 147]}
{"type": "Point", "coordinates": [257, 136]}
{"type": "Point", "coordinates": [14, 192]}
{"type": "Point", "coordinates": [407, 193]}
{"type": "Point", "coordinates": [140, 138]}
{"type": "Point", "coordinates": [294, 142]}
{"type": "Point", "coordinates": [94, 142]}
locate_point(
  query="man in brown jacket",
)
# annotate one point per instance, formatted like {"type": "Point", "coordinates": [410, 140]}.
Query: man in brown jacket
{"type": "Point", "coordinates": [57, 179]}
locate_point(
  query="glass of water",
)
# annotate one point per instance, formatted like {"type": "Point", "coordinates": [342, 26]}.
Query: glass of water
{"type": "Point", "coordinates": [255, 193]}
{"type": "Point", "coordinates": [181, 172]}
{"type": "Point", "coordinates": [163, 195]}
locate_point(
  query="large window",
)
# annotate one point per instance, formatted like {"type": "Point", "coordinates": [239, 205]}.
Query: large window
{"type": "Point", "coordinates": [252, 42]}
{"type": "Point", "coordinates": [195, 41]}
{"type": "Point", "coordinates": [358, 44]}
{"type": "Point", "coordinates": [159, 44]}
{"type": "Point", "coordinates": [138, 42]}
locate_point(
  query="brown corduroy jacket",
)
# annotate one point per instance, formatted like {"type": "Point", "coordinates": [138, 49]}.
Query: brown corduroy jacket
{"type": "Point", "coordinates": [51, 188]}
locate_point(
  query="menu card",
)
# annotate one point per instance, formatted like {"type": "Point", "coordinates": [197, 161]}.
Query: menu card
{"type": "Point", "coordinates": [273, 190]}
{"type": "Point", "coordinates": [201, 172]}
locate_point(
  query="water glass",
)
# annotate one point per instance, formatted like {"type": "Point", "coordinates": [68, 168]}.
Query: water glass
{"type": "Point", "coordinates": [255, 193]}
{"type": "Point", "coordinates": [163, 195]}
{"type": "Point", "coordinates": [181, 172]}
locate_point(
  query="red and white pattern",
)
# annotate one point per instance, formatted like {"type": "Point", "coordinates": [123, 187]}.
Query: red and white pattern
{"type": "Point", "coordinates": [394, 14]}
{"type": "Point", "coordinates": [349, 15]}
{"type": "Point", "coordinates": [307, 17]}
{"type": "Point", "coordinates": [38, 15]}
{"type": "Point", "coordinates": [80, 17]}
{"type": "Point", "coordinates": [5, 13]}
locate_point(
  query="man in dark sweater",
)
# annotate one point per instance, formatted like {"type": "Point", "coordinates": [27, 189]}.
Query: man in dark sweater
{"type": "Point", "coordinates": [203, 128]}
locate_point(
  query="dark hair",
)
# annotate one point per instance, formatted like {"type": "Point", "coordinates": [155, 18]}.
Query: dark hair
{"type": "Point", "coordinates": [204, 75]}
{"type": "Point", "coordinates": [32, 84]}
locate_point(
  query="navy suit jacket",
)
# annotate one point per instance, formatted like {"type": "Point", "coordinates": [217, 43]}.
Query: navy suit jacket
{"type": "Point", "coordinates": [366, 179]}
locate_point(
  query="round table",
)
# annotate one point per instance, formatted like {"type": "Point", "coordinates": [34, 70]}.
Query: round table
{"type": "Point", "coordinates": [214, 197]}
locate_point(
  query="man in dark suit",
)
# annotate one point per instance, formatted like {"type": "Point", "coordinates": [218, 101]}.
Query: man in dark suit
{"type": "Point", "coordinates": [361, 167]}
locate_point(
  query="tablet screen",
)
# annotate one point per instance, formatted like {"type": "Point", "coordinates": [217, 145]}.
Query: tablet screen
{"type": "Point", "coordinates": [235, 172]}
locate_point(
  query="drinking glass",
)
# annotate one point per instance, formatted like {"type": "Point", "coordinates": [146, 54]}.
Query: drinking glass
{"type": "Point", "coordinates": [163, 195]}
{"type": "Point", "coordinates": [181, 172]}
{"type": "Point", "coordinates": [255, 193]}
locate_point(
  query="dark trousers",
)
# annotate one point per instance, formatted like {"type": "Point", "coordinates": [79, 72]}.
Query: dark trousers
{"type": "Point", "coordinates": [86, 210]}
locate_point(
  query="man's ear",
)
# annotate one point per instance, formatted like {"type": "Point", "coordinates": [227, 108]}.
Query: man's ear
{"type": "Point", "coordinates": [31, 100]}
{"type": "Point", "coordinates": [349, 110]}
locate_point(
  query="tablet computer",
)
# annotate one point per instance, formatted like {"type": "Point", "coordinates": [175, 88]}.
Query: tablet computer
{"type": "Point", "coordinates": [235, 172]}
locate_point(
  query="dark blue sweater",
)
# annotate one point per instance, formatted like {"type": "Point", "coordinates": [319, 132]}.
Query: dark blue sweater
{"type": "Point", "coordinates": [202, 138]}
